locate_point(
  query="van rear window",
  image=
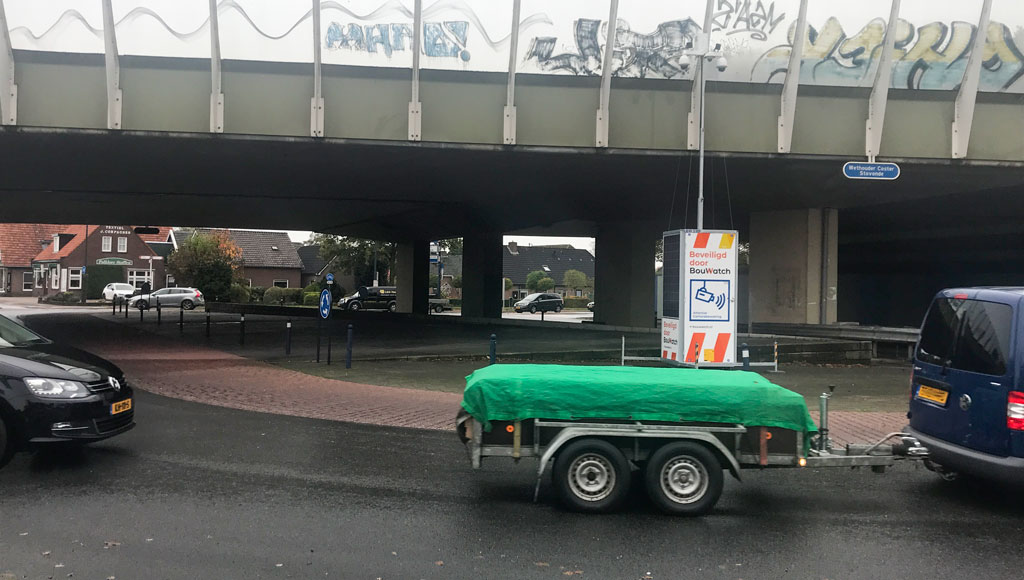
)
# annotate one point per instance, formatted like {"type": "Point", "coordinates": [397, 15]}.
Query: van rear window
{"type": "Point", "coordinates": [967, 335]}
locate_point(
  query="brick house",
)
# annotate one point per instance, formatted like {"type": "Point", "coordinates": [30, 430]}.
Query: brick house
{"type": "Point", "coordinates": [554, 261]}
{"type": "Point", "coordinates": [57, 267]}
{"type": "Point", "coordinates": [268, 258]}
{"type": "Point", "coordinates": [19, 244]}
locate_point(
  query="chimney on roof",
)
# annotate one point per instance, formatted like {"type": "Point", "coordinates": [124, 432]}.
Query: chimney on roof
{"type": "Point", "coordinates": [513, 248]}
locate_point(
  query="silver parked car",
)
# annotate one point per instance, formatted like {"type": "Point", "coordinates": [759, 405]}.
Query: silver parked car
{"type": "Point", "coordinates": [187, 298]}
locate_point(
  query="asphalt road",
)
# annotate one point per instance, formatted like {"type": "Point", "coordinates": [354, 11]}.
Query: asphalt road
{"type": "Point", "coordinates": [207, 492]}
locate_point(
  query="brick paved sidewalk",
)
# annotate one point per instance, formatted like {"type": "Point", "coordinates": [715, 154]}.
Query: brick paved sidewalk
{"type": "Point", "coordinates": [196, 373]}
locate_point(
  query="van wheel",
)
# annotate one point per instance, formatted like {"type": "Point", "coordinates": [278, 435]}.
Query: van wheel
{"type": "Point", "coordinates": [143, 305]}
{"type": "Point", "coordinates": [439, 309]}
{"type": "Point", "coordinates": [354, 306]}
{"type": "Point", "coordinates": [533, 309]}
{"type": "Point", "coordinates": [591, 475]}
{"type": "Point", "coordinates": [684, 478]}
{"type": "Point", "coordinates": [558, 309]}
{"type": "Point", "coordinates": [187, 304]}
{"type": "Point", "coordinates": [392, 306]}
{"type": "Point", "coordinates": [6, 444]}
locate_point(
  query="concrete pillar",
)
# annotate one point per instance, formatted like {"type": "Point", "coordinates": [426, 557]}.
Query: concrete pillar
{"type": "Point", "coordinates": [482, 283]}
{"type": "Point", "coordinates": [793, 266]}
{"type": "Point", "coordinates": [413, 276]}
{"type": "Point", "coordinates": [624, 274]}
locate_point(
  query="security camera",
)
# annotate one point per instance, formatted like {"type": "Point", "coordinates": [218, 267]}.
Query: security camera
{"type": "Point", "coordinates": [684, 62]}
{"type": "Point", "coordinates": [721, 64]}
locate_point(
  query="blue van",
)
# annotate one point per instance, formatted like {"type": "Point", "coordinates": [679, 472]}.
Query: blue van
{"type": "Point", "coordinates": [966, 390]}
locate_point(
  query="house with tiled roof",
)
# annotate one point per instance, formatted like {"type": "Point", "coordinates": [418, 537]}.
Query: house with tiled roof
{"type": "Point", "coordinates": [19, 243]}
{"type": "Point", "coordinates": [114, 253]}
{"type": "Point", "coordinates": [268, 258]}
{"type": "Point", "coordinates": [554, 261]}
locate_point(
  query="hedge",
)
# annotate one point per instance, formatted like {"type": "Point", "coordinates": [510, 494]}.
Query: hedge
{"type": "Point", "coordinates": [575, 302]}
{"type": "Point", "coordinates": [97, 277]}
{"type": "Point", "coordinates": [275, 295]}
{"type": "Point", "coordinates": [310, 298]}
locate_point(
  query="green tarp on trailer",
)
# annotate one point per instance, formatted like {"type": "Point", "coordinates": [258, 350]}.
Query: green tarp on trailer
{"type": "Point", "coordinates": [511, 392]}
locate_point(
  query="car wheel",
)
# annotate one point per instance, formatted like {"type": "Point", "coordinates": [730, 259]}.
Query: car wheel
{"type": "Point", "coordinates": [684, 478]}
{"type": "Point", "coordinates": [533, 309]}
{"type": "Point", "coordinates": [187, 304]}
{"type": "Point", "coordinates": [6, 443]}
{"type": "Point", "coordinates": [392, 306]}
{"type": "Point", "coordinates": [558, 308]}
{"type": "Point", "coordinates": [354, 306]}
{"type": "Point", "coordinates": [142, 305]}
{"type": "Point", "coordinates": [591, 475]}
{"type": "Point", "coordinates": [439, 309]}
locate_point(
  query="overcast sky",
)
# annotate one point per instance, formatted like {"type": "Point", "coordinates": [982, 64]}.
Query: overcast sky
{"type": "Point", "coordinates": [580, 243]}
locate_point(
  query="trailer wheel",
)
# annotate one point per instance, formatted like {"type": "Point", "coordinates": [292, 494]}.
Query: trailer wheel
{"type": "Point", "coordinates": [591, 475]}
{"type": "Point", "coordinates": [684, 478]}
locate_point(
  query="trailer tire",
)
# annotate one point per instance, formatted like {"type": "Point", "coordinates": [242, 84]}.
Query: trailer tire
{"type": "Point", "coordinates": [591, 475]}
{"type": "Point", "coordinates": [684, 478]}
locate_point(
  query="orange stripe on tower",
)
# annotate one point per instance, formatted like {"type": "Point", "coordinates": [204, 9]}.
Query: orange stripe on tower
{"type": "Point", "coordinates": [695, 342]}
{"type": "Point", "coordinates": [702, 240]}
{"type": "Point", "coordinates": [721, 346]}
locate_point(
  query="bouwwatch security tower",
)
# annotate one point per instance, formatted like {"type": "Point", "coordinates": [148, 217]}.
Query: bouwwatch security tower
{"type": "Point", "coordinates": [698, 324]}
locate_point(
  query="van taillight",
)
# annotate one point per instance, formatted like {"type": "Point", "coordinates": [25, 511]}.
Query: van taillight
{"type": "Point", "coordinates": [1015, 411]}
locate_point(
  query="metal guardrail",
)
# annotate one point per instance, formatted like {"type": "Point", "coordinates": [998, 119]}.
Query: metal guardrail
{"type": "Point", "coordinates": [841, 331]}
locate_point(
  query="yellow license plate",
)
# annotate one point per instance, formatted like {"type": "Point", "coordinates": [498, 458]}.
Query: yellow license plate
{"type": "Point", "coordinates": [121, 407]}
{"type": "Point", "coordinates": [932, 394]}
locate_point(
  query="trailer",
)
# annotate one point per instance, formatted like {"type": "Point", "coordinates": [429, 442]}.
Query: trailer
{"type": "Point", "coordinates": [604, 428]}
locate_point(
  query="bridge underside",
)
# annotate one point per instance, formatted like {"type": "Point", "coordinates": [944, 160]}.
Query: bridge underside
{"type": "Point", "coordinates": [415, 191]}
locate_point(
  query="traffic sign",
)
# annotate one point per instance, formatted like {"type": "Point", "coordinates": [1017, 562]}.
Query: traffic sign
{"type": "Point", "coordinates": [330, 278]}
{"type": "Point", "coordinates": [859, 170]}
{"type": "Point", "coordinates": [325, 304]}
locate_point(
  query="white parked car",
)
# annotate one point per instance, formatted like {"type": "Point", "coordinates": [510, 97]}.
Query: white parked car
{"type": "Point", "coordinates": [118, 290]}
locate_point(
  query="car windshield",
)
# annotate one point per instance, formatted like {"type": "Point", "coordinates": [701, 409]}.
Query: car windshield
{"type": "Point", "coordinates": [533, 296]}
{"type": "Point", "coordinates": [14, 334]}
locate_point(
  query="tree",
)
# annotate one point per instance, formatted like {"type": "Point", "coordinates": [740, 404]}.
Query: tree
{"type": "Point", "coordinates": [452, 245]}
{"type": "Point", "coordinates": [457, 282]}
{"type": "Point", "coordinates": [575, 280]}
{"type": "Point", "coordinates": [545, 284]}
{"type": "Point", "coordinates": [532, 278]}
{"type": "Point", "coordinates": [209, 262]}
{"type": "Point", "coordinates": [508, 284]}
{"type": "Point", "coordinates": [356, 256]}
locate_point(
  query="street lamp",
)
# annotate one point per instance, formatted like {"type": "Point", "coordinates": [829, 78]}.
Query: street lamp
{"type": "Point", "coordinates": [152, 282]}
{"type": "Point", "coordinates": [699, 49]}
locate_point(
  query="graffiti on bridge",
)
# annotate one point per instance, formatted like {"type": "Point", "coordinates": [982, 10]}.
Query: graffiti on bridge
{"type": "Point", "coordinates": [440, 39]}
{"type": "Point", "coordinates": [932, 56]}
{"type": "Point", "coordinates": [746, 16]}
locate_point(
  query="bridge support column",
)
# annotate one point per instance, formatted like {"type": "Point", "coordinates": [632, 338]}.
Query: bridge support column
{"type": "Point", "coordinates": [482, 282]}
{"type": "Point", "coordinates": [413, 276]}
{"type": "Point", "coordinates": [624, 274]}
{"type": "Point", "coordinates": [793, 266]}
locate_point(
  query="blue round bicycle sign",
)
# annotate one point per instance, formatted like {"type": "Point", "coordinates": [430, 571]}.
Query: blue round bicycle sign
{"type": "Point", "coordinates": [325, 304]}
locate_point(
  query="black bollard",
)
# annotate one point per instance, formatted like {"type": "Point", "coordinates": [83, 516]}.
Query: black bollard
{"type": "Point", "coordinates": [348, 349]}
{"type": "Point", "coordinates": [494, 348]}
{"type": "Point", "coordinates": [141, 310]}
{"type": "Point", "coordinates": [319, 331]}
{"type": "Point", "coordinates": [158, 311]}
{"type": "Point", "coordinates": [207, 324]}
{"type": "Point", "coordinates": [113, 306]}
{"type": "Point", "coordinates": [288, 337]}
{"type": "Point", "coordinates": [328, 344]}
{"type": "Point", "coordinates": [745, 353]}
{"type": "Point", "coordinates": [181, 320]}
{"type": "Point", "coordinates": [241, 328]}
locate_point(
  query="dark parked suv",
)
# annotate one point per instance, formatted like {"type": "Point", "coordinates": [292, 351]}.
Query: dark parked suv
{"type": "Point", "coordinates": [51, 393]}
{"type": "Point", "coordinates": [966, 393]}
{"type": "Point", "coordinates": [371, 298]}
{"type": "Point", "coordinates": [539, 302]}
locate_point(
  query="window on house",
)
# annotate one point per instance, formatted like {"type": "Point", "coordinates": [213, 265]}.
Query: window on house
{"type": "Point", "coordinates": [74, 278]}
{"type": "Point", "coordinates": [122, 245]}
{"type": "Point", "coordinates": [106, 243]}
{"type": "Point", "coordinates": [250, 282]}
{"type": "Point", "coordinates": [170, 282]}
{"type": "Point", "coordinates": [138, 277]}
{"type": "Point", "coordinates": [281, 283]}
{"type": "Point", "coordinates": [27, 281]}
{"type": "Point", "coordinates": [40, 275]}
{"type": "Point", "coordinates": [54, 276]}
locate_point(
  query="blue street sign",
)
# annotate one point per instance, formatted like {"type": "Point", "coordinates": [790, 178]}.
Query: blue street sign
{"type": "Point", "coordinates": [330, 277]}
{"type": "Point", "coordinates": [859, 170]}
{"type": "Point", "coordinates": [325, 304]}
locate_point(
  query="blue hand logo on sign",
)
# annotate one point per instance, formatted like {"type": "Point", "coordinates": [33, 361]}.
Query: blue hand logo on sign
{"type": "Point", "coordinates": [325, 304]}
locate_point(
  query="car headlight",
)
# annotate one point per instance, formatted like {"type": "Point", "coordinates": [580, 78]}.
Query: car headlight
{"type": "Point", "coordinates": [56, 388]}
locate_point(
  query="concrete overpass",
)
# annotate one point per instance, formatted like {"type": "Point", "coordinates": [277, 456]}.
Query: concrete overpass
{"type": "Point", "coordinates": [563, 138]}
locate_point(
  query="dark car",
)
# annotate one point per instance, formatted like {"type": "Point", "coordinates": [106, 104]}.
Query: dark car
{"type": "Point", "coordinates": [966, 392]}
{"type": "Point", "coordinates": [539, 302]}
{"type": "Point", "coordinates": [50, 393]}
{"type": "Point", "coordinates": [371, 298]}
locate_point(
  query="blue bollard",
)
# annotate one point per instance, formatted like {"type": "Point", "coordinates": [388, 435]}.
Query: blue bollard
{"type": "Point", "coordinates": [494, 348]}
{"type": "Point", "coordinates": [745, 353]}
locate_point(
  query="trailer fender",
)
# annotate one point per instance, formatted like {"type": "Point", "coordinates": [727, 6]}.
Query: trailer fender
{"type": "Point", "coordinates": [570, 433]}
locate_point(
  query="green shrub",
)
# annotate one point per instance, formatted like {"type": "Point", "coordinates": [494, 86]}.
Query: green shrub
{"type": "Point", "coordinates": [256, 293]}
{"type": "Point", "coordinates": [314, 286]}
{"type": "Point", "coordinates": [273, 295]}
{"type": "Point", "coordinates": [310, 298]}
{"type": "Point", "coordinates": [455, 302]}
{"type": "Point", "coordinates": [239, 294]}
{"type": "Point", "coordinates": [97, 277]}
{"type": "Point", "coordinates": [62, 298]}
{"type": "Point", "coordinates": [293, 295]}
{"type": "Point", "coordinates": [576, 302]}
